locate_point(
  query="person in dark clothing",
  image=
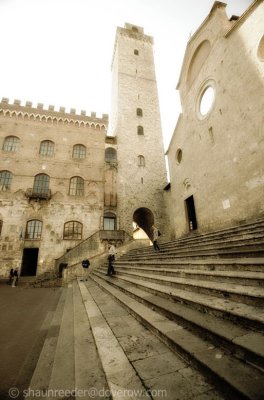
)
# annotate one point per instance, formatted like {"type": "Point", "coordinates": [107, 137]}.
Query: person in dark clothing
{"type": "Point", "coordinates": [11, 275]}
{"type": "Point", "coordinates": [15, 278]}
{"type": "Point", "coordinates": [85, 265]}
{"type": "Point", "coordinates": [111, 258]}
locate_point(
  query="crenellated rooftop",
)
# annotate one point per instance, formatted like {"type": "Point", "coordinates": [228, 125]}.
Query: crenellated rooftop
{"type": "Point", "coordinates": [39, 113]}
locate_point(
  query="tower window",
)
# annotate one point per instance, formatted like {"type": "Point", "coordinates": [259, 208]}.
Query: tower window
{"type": "Point", "coordinates": [110, 154]}
{"type": "Point", "coordinates": [5, 180]}
{"type": "Point", "coordinates": [134, 29]}
{"type": "Point", "coordinates": [1, 226]}
{"type": "Point", "coordinates": [46, 148]}
{"type": "Point", "coordinates": [76, 186]}
{"type": "Point", "coordinates": [72, 230]}
{"type": "Point", "coordinates": [139, 112]}
{"type": "Point", "coordinates": [109, 222]}
{"type": "Point", "coordinates": [41, 184]}
{"type": "Point", "coordinates": [33, 230]}
{"type": "Point", "coordinates": [140, 130]}
{"type": "Point", "coordinates": [141, 161]}
{"type": "Point", "coordinates": [79, 151]}
{"type": "Point", "coordinates": [136, 52]}
{"type": "Point", "coordinates": [11, 143]}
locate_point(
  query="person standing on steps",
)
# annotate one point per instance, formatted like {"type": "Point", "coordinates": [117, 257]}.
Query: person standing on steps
{"type": "Point", "coordinates": [111, 258]}
{"type": "Point", "coordinates": [156, 234]}
{"type": "Point", "coordinates": [85, 265]}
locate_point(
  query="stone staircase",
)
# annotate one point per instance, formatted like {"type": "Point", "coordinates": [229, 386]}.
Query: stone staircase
{"type": "Point", "coordinates": [183, 323]}
{"type": "Point", "coordinates": [95, 349]}
{"type": "Point", "coordinates": [203, 296]}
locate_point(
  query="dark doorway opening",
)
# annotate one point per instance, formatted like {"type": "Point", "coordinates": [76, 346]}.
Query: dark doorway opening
{"type": "Point", "coordinates": [144, 218]}
{"type": "Point", "coordinates": [29, 262]}
{"type": "Point", "coordinates": [191, 215]}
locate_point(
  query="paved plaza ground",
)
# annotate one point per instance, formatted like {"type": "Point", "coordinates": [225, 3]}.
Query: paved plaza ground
{"type": "Point", "coordinates": [24, 319]}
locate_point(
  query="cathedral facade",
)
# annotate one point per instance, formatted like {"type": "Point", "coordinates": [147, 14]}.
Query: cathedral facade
{"type": "Point", "coordinates": [215, 156]}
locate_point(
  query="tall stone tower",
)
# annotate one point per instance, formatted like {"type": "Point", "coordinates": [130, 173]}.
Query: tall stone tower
{"type": "Point", "coordinates": [135, 122]}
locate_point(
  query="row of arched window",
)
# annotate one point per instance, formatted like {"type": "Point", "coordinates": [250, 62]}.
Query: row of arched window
{"type": "Point", "coordinates": [41, 183]}
{"type": "Point", "coordinates": [47, 149]}
{"type": "Point", "coordinates": [72, 229]}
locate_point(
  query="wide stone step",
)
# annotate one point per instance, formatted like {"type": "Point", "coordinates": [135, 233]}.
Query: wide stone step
{"type": "Point", "coordinates": [120, 374]}
{"type": "Point", "coordinates": [247, 278]}
{"type": "Point", "coordinates": [241, 341]}
{"type": "Point", "coordinates": [210, 243]}
{"type": "Point", "coordinates": [239, 264]}
{"type": "Point", "coordinates": [90, 379]}
{"type": "Point", "coordinates": [163, 373]}
{"type": "Point", "coordinates": [237, 378]}
{"type": "Point", "coordinates": [245, 314]}
{"type": "Point", "coordinates": [69, 365]}
{"type": "Point", "coordinates": [252, 250]}
{"type": "Point", "coordinates": [241, 293]}
{"type": "Point", "coordinates": [63, 374]}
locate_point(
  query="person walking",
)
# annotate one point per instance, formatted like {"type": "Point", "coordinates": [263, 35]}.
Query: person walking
{"type": "Point", "coordinates": [155, 238]}
{"type": "Point", "coordinates": [111, 258]}
{"type": "Point", "coordinates": [15, 278]}
{"type": "Point", "coordinates": [85, 265]}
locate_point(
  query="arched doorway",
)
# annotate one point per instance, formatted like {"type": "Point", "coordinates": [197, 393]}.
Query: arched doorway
{"type": "Point", "coordinates": [144, 218]}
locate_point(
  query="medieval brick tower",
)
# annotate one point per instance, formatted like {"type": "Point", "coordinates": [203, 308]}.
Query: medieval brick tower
{"type": "Point", "coordinates": [135, 123]}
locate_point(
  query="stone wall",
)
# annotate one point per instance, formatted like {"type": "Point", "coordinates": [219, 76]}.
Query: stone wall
{"type": "Point", "coordinates": [217, 157]}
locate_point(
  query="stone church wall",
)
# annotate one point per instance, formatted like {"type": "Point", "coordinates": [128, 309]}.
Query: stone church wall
{"type": "Point", "coordinates": [218, 157]}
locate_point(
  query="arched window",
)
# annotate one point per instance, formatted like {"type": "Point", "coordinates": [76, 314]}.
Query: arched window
{"type": "Point", "coordinates": [139, 112]}
{"type": "Point", "coordinates": [41, 184]}
{"type": "Point", "coordinates": [72, 230]}
{"type": "Point", "coordinates": [79, 151]}
{"type": "Point", "coordinates": [33, 229]}
{"type": "Point", "coordinates": [11, 143]}
{"type": "Point", "coordinates": [136, 52]}
{"type": "Point", "coordinates": [109, 221]}
{"type": "Point", "coordinates": [141, 161]}
{"type": "Point", "coordinates": [76, 186]}
{"type": "Point", "coordinates": [140, 130]}
{"type": "Point", "coordinates": [5, 180]}
{"type": "Point", "coordinates": [46, 148]}
{"type": "Point", "coordinates": [110, 154]}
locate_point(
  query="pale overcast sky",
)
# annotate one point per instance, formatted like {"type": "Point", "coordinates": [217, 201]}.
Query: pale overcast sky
{"type": "Point", "coordinates": [59, 51]}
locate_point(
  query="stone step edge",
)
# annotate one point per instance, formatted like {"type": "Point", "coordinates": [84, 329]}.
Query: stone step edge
{"type": "Point", "coordinates": [254, 275]}
{"type": "Point", "coordinates": [118, 370]}
{"type": "Point", "coordinates": [236, 230]}
{"type": "Point", "coordinates": [250, 236]}
{"type": "Point", "coordinates": [222, 375]}
{"type": "Point", "coordinates": [236, 261]}
{"type": "Point", "coordinates": [41, 375]}
{"type": "Point", "coordinates": [63, 374]}
{"type": "Point", "coordinates": [221, 287]}
{"type": "Point", "coordinates": [219, 244]}
{"type": "Point", "coordinates": [204, 327]}
{"type": "Point", "coordinates": [204, 302]}
{"type": "Point", "coordinates": [190, 252]}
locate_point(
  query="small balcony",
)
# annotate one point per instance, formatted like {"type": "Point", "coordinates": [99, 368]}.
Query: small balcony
{"type": "Point", "coordinates": [38, 194]}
